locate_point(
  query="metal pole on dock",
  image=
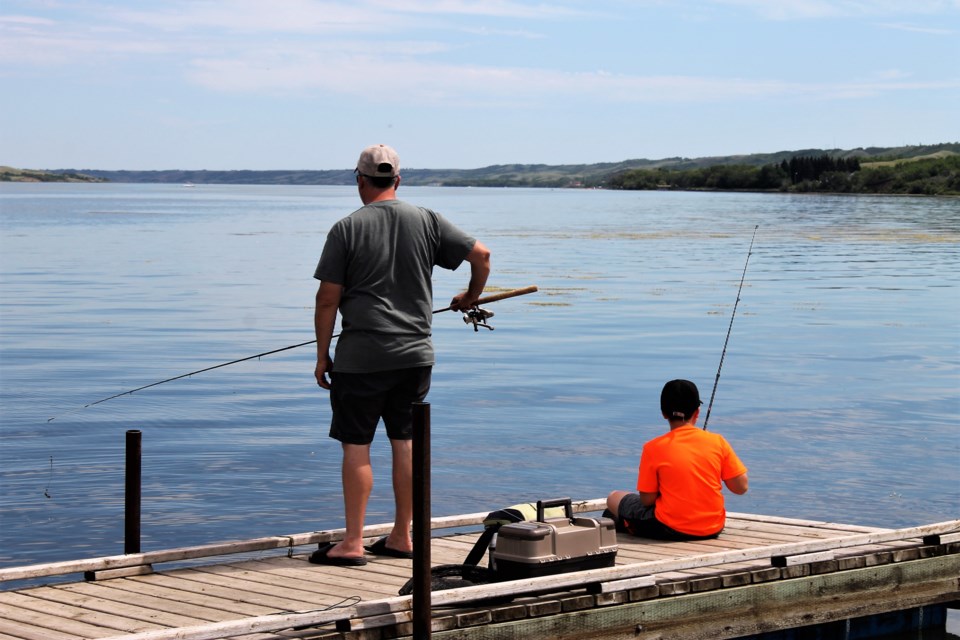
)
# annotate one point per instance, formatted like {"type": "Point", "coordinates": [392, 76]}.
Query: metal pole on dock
{"type": "Point", "coordinates": [131, 526]}
{"type": "Point", "coordinates": [421, 521]}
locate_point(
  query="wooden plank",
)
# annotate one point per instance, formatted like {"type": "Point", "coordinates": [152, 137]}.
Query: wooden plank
{"type": "Point", "coordinates": [629, 583]}
{"type": "Point", "coordinates": [796, 528]}
{"type": "Point", "coordinates": [943, 538]}
{"type": "Point", "coordinates": [238, 628]}
{"type": "Point", "coordinates": [167, 588]}
{"type": "Point", "coordinates": [803, 558]}
{"type": "Point", "coordinates": [752, 517]}
{"type": "Point", "coordinates": [22, 631]}
{"type": "Point", "coordinates": [240, 589]}
{"type": "Point", "coordinates": [79, 623]}
{"type": "Point", "coordinates": [365, 583]}
{"type": "Point", "coordinates": [776, 533]}
{"type": "Point", "coordinates": [628, 554]}
{"type": "Point", "coordinates": [109, 574]}
{"type": "Point", "coordinates": [193, 588]}
{"type": "Point", "coordinates": [258, 579]}
{"type": "Point", "coordinates": [109, 593]}
{"type": "Point", "coordinates": [381, 571]}
{"type": "Point", "coordinates": [134, 614]}
{"type": "Point", "coordinates": [742, 611]}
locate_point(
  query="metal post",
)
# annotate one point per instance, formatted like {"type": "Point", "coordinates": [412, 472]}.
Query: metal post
{"type": "Point", "coordinates": [421, 521]}
{"type": "Point", "coordinates": [131, 528]}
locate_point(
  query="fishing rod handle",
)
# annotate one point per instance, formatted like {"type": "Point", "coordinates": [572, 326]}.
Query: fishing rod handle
{"type": "Point", "coordinates": [508, 294]}
{"type": "Point", "coordinates": [501, 296]}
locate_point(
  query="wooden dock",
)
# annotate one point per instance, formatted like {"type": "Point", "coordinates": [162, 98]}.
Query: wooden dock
{"type": "Point", "coordinates": [762, 574]}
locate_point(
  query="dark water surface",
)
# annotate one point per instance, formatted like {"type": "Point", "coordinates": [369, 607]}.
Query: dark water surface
{"type": "Point", "coordinates": [840, 388]}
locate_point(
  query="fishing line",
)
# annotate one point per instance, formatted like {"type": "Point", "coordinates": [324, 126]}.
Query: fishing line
{"type": "Point", "coordinates": [187, 375]}
{"type": "Point", "coordinates": [46, 490]}
{"type": "Point", "coordinates": [730, 328]}
{"type": "Point", "coordinates": [493, 298]}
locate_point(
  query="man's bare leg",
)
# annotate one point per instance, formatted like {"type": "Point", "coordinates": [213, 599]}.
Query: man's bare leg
{"type": "Point", "coordinates": [357, 477]}
{"type": "Point", "coordinates": [399, 537]}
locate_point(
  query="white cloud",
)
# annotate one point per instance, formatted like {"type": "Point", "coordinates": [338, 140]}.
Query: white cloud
{"type": "Point", "coordinates": [491, 8]}
{"type": "Point", "coordinates": [318, 17]}
{"type": "Point", "coordinates": [936, 31]}
{"type": "Point", "coordinates": [15, 22]}
{"type": "Point", "coordinates": [196, 28]}
{"type": "Point", "coordinates": [814, 9]}
{"type": "Point", "coordinates": [329, 47]}
{"type": "Point", "coordinates": [434, 83]}
{"type": "Point", "coordinates": [509, 33]}
{"type": "Point", "coordinates": [278, 16]}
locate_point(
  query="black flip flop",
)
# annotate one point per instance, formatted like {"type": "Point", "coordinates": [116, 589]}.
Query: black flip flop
{"type": "Point", "coordinates": [320, 556]}
{"type": "Point", "coordinates": [380, 548]}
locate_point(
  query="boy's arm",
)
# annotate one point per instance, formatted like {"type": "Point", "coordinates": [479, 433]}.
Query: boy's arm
{"type": "Point", "coordinates": [737, 484]}
{"type": "Point", "coordinates": [648, 499]}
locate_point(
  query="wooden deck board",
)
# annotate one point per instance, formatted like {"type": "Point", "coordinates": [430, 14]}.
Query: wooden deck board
{"type": "Point", "coordinates": [194, 591]}
{"type": "Point", "coordinates": [84, 623]}
{"type": "Point", "coordinates": [287, 586]}
{"type": "Point", "coordinates": [11, 630]}
{"type": "Point", "coordinates": [113, 591]}
{"type": "Point", "coordinates": [306, 592]}
{"type": "Point", "coordinates": [239, 588]}
{"type": "Point", "coordinates": [144, 612]}
{"type": "Point", "coordinates": [165, 588]}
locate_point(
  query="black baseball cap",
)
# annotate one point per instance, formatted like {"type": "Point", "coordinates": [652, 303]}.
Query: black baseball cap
{"type": "Point", "coordinates": [679, 400]}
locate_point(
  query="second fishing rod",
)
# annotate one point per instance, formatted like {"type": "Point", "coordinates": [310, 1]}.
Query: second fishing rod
{"type": "Point", "coordinates": [723, 354]}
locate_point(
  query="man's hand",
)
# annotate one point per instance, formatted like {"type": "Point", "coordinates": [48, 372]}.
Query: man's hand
{"type": "Point", "coordinates": [461, 302]}
{"type": "Point", "coordinates": [324, 365]}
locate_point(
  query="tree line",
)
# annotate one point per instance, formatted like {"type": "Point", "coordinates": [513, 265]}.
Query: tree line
{"type": "Point", "coordinates": [925, 176]}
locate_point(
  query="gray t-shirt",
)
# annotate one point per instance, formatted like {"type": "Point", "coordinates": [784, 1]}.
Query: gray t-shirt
{"type": "Point", "coordinates": [383, 256]}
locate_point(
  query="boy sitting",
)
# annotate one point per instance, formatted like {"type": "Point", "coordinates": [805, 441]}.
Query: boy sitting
{"type": "Point", "coordinates": [679, 493]}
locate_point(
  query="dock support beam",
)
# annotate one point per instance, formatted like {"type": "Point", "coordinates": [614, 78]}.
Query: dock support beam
{"type": "Point", "coordinates": [421, 521]}
{"type": "Point", "coordinates": [131, 522]}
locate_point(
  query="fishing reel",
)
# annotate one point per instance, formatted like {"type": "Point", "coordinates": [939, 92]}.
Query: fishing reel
{"type": "Point", "coordinates": [478, 318]}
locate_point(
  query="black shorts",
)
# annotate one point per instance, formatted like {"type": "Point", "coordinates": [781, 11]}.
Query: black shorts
{"type": "Point", "coordinates": [638, 520]}
{"type": "Point", "coordinates": [360, 400]}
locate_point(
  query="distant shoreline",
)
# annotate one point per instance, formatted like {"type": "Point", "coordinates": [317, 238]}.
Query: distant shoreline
{"type": "Point", "coordinates": [911, 170]}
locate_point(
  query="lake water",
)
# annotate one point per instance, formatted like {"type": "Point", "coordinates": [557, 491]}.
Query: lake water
{"type": "Point", "coordinates": [840, 388]}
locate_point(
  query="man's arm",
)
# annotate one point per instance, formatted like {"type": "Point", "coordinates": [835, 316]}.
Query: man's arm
{"type": "Point", "coordinates": [324, 320]}
{"type": "Point", "coordinates": [479, 259]}
{"type": "Point", "coordinates": [737, 484]}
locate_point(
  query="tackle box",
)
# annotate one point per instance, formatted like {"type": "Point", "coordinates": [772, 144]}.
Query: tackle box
{"type": "Point", "coordinates": [553, 545]}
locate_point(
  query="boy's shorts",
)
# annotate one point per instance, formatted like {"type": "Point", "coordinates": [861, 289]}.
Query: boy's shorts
{"type": "Point", "coordinates": [638, 520]}
{"type": "Point", "coordinates": [360, 400]}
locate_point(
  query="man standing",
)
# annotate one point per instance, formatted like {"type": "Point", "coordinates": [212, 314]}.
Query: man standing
{"type": "Point", "coordinates": [679, 493]}
{"type": "Point", "coordinates": [376, 270]}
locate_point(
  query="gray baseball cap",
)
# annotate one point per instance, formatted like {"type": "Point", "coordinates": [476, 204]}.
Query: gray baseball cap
{"type": "Point", "coordinates": [379, 161]}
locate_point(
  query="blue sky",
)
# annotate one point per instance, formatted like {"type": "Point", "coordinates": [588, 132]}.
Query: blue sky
{"type": "Point", "coordinates": [304, 84]}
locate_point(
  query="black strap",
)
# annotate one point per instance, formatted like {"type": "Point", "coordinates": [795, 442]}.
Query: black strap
{"type": "Point", "coordinates": [483, 542]}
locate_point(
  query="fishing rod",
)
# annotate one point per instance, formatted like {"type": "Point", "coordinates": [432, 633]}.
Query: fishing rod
{"type": "Point", "coordinates": [475, 316]}
{"type": "Point", "coordinates": [730, 328]}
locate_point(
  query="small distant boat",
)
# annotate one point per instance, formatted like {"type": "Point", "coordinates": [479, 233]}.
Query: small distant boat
{"type": "Point", "coordinates": [189, 184]}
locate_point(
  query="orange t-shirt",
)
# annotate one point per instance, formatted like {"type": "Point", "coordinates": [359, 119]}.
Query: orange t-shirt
{"type": "Point", "coordinates": [686, 467]}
